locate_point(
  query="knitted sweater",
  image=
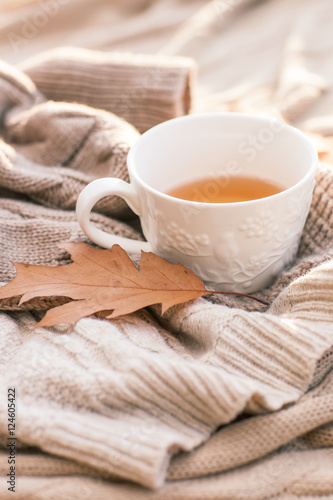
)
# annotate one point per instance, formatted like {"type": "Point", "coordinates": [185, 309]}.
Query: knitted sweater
{"type": "Point", "coordinates": [217, 398]}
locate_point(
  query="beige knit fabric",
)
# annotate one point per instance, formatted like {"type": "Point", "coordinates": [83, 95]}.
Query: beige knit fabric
{"type": "Point", "coordinates": [218, 399]}
{"type": "Point", "coordinates": [144, 91]}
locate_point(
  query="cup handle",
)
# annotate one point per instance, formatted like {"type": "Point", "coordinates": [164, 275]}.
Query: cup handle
{"type": "Point", "coordinates": [90, 195]}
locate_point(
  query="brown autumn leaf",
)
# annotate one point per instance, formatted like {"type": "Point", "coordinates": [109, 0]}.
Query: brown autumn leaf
{"type": "Point", "coordinates": [100, 280]}
{"type": "Point", "coordinates": [104, 280]}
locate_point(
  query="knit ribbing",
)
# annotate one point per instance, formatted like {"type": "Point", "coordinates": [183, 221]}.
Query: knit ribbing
{"type": "Point", "coordinates": [285, 476]}
{"type": "Point", "coordinates": [253, 438]}
{"type": "Point", "coordinates": [143, 89]}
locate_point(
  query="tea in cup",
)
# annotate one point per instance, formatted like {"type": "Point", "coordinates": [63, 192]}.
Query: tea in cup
{"type": "Point", "coordinates": [226, 190]}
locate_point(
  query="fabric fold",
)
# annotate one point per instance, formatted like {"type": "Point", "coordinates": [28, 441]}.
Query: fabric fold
{"type": "Point", "coordinates": [143, 89]}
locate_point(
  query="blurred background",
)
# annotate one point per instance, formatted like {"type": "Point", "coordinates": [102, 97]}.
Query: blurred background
{"type": "Point", "coordinates": [251, 55]}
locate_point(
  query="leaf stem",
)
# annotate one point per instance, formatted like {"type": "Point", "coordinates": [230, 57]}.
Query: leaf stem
{"type": "Point", "coordinates": [243, 295]}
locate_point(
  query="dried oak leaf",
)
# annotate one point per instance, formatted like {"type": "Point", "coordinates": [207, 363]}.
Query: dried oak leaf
{"type": "Point", "coordinates": [99, 280]}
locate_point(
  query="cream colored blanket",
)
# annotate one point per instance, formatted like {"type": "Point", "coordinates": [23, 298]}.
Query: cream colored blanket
{"type": "Point", "coordinates": [219, 398]}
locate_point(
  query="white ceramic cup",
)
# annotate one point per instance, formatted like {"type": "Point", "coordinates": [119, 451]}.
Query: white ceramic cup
{"type": "Point", "coordinates": [238, 246]}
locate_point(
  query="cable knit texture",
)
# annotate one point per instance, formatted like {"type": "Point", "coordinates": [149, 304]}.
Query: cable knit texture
{"type": "Point", "coordinates": [218, 398]}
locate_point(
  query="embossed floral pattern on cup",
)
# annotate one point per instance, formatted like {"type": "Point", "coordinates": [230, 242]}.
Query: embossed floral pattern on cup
{"type": "Point", "coordinates": [295, 206]}
{"type": "Point", "coordinates": [176, 237]}
{"type": "Point", "coordinates": [261, 225]}
{"type": "Point", "coordinates": [294, 209]}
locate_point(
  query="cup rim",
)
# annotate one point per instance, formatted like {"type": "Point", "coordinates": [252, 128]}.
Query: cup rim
{"type": "Point", "coordinates": [222, 114]}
